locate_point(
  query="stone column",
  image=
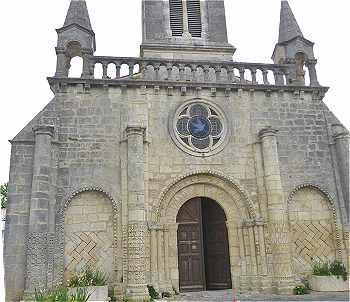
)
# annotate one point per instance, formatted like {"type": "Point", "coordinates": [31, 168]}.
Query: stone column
{"type": "Point", "coordinates": [137, 228]}
{"type": "Point", "coordinates": [160, 241]}
{"type": "Point", "coordinates": [342, 142]}
{"type": "Point", "coordinates": [61, 66]}
{"type": "Point", "coordinates": [154, 257]}
{"type": "Point", "coordinates": [311, 64]}
{"type": "Point", "coordinates": [87, 67]}
{"type": "Point", "coordinates": [277, 214]}
{"type": "Point", "coordinates": [167, 284]}
{"type": "Point", "coordinates": [37, 240]}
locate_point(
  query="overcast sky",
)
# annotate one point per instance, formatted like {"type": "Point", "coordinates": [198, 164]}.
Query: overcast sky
{"type": "Point", "coordinates": [28, 39]}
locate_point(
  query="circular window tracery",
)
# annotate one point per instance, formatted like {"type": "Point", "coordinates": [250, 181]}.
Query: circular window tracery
{"type": "Point", "coordinates": [199, 128]}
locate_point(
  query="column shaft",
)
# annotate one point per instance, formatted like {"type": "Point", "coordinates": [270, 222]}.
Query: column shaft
{"type": "Point", "coordinates": [166, 258]}
{"type": "Point", "coordinates": [160, 257]}
{"type": "Point", "coordinates": [277, 215]}
{"type": "Point", "coordinates": [61, 65]}
{"type": "Point", "coordinates": [37, 248]}
{"type": "Point", "coordinates": [136, 287]}
{"type": "Point", "coordinates": [154, 257]}
{"type": "Point", "coordinates": [342, 142]}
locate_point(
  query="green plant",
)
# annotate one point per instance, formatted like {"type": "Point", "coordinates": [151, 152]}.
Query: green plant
{"type": "Point", "coordinates": [88, 277]}
{"type": "Point", "coordinates": [39, 296]}
{"type": "Point", "coordinates": [81, 295]}
{"type": "Point", "coordinates": [152, 292]}
{"type": "Point", "coordinates": [321, 268]}
{"type": "Point", "coordinates": [300, 290]}
{"type": "Point", "coordinates": [3, 195]}
{"type": "Point", "coordinates": [326, 268]}
{"type": "Point", "coordinates": [61, 295]}
{"type": "Point", "coordinates": [338, 269]}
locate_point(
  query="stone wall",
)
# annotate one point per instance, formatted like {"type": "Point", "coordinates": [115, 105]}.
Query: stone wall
{"type": "Point", "coordinates": [90, 149]}
{"type": "Point", "coordinates": [89, 235]}
{"type": "Point", "coordinates": [313, 229]}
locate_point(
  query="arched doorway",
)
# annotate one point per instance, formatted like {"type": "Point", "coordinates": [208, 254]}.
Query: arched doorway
{"type": "Point", "coordinates": [203, 252]}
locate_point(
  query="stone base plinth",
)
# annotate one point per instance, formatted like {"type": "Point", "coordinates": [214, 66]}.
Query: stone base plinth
{"type": "Point", "coordinates": [97, 293]}
{"type": "Point", "coordinates": [137, 292]}
{"type": "Point", "coordinates": [329, 284]}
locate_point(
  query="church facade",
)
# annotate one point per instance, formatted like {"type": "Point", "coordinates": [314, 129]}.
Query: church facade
{"type": "Point", "coordinates": [190, 172]}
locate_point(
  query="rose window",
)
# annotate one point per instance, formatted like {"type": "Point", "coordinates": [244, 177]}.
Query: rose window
{"type": "Point", "coordinates": [199, 127]}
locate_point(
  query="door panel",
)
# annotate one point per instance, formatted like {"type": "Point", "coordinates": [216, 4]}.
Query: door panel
{"type": "Point", "coordinates": [217, 260]}
{"type": "Point", "coordinates": [190, 257]}
{"type": "Point", "coordinates": [190, 246]}
{"type": "Point", "coordinates": [203, 246]}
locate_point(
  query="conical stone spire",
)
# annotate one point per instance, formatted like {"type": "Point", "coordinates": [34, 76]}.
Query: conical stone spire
{"type": "Point", "coordinates": [289, 27]}
{"type": "Point", "coordinates": [78, 14]}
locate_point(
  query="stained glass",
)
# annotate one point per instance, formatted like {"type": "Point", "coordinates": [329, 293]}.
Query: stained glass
{"type": "Point", "coordinates": [216, 126]}
{"type": "Point", "coordinates": [198, 110]}
{"type": "Point", "coordinates": [200, 143]}
{"type": "Point", "coordinates": [199, 127]}
{"type": "Point", "coordinates": [182, 126]}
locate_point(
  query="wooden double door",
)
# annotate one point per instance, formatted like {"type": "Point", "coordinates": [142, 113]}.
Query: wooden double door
{"type": "Point", "coordinates": [204, 262]}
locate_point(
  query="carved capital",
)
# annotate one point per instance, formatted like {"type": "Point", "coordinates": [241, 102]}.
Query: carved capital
{"type": "Point", "coordinates": [269, 131]}
{"type": "Point", "coordinates": [60, 50]}
{"type": "Point", "coordinates": [44, 130]}
{"type": "Point", "coordinates": [135, 130]}
{"type": "Point", "coordinates": [311, 62]}
{"type": "Point", "coordinates": [339, 132]}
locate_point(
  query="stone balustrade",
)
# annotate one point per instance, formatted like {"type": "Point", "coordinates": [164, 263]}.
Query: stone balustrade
{"type": "Point", "coordinates": [163, 70]}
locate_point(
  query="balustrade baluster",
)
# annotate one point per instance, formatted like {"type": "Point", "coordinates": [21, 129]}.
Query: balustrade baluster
{"type": "Point", "coordinates": [105, 69]}
{"type": "Point", "coordinates": [193, 72]}
{"type": "Point", "coordinates": [169, 69]}
{"type": "Point", "coordinates": [182, 72]}
{"type": "Point", "coordinates": [117, 71]}
{"type": "Point", "coordinates": [131, 68]}
{"type": "Point", "coordinates": [156, 71]}
{"type": "Point", "coordinates": [230, 74]}
{"type": "Point", "coordinates": [218, 73]}
{"type": "Point", "coordinates": [253, 73]}
{"type": "Point", "coordinates": [241, 74]}
{"type": "Point", "coordinates": [206, 73]}
{"type": "Point", "coordinates": [265, 78]}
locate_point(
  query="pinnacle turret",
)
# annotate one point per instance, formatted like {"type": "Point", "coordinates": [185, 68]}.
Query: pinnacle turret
{"type": "Point", "coordinates": [289, 28]}
{"type": "Point", "coordinates": [78, 14]}
{"type": "Point", "coordinates": [294, 49]}
{"type": "Point", "coordinates": [75, 39]}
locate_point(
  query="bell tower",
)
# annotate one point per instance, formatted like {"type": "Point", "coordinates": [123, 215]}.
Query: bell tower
{"type": "Point", "coordinates": [185, 29]}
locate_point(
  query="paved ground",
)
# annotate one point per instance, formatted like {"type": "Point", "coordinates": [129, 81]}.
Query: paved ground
{"type": "Point", "coordinates": [227, 296]}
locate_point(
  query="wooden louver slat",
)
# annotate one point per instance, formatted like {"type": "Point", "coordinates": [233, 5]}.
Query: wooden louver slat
{"type": "Point", "coordinates": [176, 17]}
{"type": "Point", "coordinates": [194, 18]}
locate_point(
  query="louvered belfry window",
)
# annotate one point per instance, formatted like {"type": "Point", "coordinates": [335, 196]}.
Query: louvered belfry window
{"type": "Point", "coordinates": [176, 17]}
{"type": "Point", "coordinates": [193, 16]}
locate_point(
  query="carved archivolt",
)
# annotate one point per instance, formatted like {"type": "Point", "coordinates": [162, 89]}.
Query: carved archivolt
{"type": "Point", "coordinates": [71, 195]}
{"type": "Point", "coordinates": [209, 177]}
{"type": "Point", "coordinates": [333, 207]}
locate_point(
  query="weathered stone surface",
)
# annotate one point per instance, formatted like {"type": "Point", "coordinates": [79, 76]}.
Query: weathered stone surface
{"type": "Point", "coordinates": [108, 182]}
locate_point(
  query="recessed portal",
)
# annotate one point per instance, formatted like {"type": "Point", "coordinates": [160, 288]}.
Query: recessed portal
{"type": "Point", "coordinates": [204, 262]}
